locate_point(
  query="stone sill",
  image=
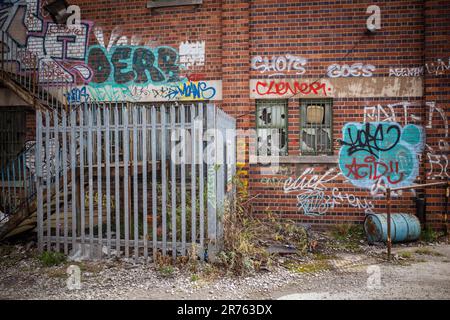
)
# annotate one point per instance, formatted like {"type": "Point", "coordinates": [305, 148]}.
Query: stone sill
{"type": "Point", "coordinates": [295, 159]}
{"type": "Point", "coordinates": [172, 3]}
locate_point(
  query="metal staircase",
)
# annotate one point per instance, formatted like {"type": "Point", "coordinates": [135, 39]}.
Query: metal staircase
{"type": "Point", "coordinates": [20, 72]}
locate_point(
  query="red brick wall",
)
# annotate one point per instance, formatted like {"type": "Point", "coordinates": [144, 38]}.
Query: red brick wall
{"type": "Point", "coordinates": [324, 33]}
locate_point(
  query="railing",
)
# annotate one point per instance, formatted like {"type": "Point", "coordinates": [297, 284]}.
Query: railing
{"type": "Point", "coordinates": [17, 183]}
{"type": "Point", "coordinates": [34, 74]}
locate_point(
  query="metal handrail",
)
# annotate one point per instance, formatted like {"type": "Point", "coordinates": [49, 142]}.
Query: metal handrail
{"type": "Point", "coordinates": [415, 186]}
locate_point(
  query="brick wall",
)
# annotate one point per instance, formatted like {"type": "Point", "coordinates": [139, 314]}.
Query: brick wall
{"type": "Point", "coordinates": [295, 50]}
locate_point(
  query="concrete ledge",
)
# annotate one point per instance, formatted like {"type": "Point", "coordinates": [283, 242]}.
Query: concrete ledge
{"type": "Point", "coordinates": [172, 3]}
{"type": "Point", "coordinates": [295, 159]}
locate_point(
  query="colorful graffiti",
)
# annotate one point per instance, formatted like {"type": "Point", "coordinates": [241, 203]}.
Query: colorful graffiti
{"type": "Point", "coordinates": [377, 151]}
{"type": "Point", "coordinates": [57, 51]}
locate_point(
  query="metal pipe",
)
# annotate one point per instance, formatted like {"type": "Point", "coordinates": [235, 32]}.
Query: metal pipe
{"type": "Point", "coordinates": [421, 186]}
{"type": "Point", "coordinates": [389, 239]}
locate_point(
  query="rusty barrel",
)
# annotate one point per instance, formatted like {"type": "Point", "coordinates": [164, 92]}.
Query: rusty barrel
{"type": "Point", "coordinates": [404, 227]}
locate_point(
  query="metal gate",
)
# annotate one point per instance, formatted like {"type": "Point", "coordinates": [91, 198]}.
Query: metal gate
{"type": "Point", "coordinates": [134, 180]}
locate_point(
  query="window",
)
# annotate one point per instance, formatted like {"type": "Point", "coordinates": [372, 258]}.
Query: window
{"type": "Point", "coordinates": [271, 127]}
{"type": "Point", "coordinates": [316, 127]}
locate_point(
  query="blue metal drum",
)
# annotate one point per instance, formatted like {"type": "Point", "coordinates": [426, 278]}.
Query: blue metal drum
{"type": "Point", "coordinates": [404, 227]}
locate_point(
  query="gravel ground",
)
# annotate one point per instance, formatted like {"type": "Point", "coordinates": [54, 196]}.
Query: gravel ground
{"type": "Point", "coordinates": [423, 274]}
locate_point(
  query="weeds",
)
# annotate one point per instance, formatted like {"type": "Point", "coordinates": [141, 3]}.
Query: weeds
{"type": "Point", "coordinates": [429, 235]}
{"type": "Point", "coordinates": [348, 236]}
{"type": "Point", "coordinates": [49, 259]}
{"type": "Point", "coordinates": [243, 235]}
{"type": "Point", "coordinates": [428, 252]}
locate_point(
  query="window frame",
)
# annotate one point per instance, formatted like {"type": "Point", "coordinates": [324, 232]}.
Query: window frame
{"type": "Point", "coordinates": [259, 103]}
{"type": "Point", "coordinates": [303, 116]}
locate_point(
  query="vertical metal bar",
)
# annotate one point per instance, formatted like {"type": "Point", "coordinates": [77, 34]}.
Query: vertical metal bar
{"type": "Point", "coordinates": [38, 166]}
{"type": "Point", "coordinates": [135, 183]}
{"type": "Point", "coordinates": [65, 188]}
{"type": "Point", "coordinates": [144, 180]}
{"type": "Point", "coordinates": [183, 181]}
{"type": "Point", "coordinates": [108, 179]}
{"type": "Point", "coordinates": [73, 156]}
{"type": "Point", "coordinates": [48, 189]}
{"type": "Point", "coordinates": [154, 210]}
{"type": "Point", "coordinates": [117, 176]}
{"type": "Point", "coordinates": [193, 180]}
{"type": "Point", "coordinates": [199, 140]}
{"type": "Point", "coordinates": [163, 180]}
{"type": "Point", "coordinates": [389, 240]}
{"type": "Point", "coordinates": [57, 163]}
{"type": "Point", "coordinates": [82, 195]}
{"type": "Point", "coordinates": [99, 181]}
{"type": "Point", "coordinates": [126, 186]}
{"type": "Point", "coordinates": [211, 182]}
{"type": "Point", "coordinates": [90, 178]}
{"type": "Point", "coordinates": [173, 192]}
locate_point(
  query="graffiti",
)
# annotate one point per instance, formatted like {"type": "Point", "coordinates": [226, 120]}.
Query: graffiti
{"type": "Point", "coordinates": [392, 113]}
{"type": "Point", "coordinates": [367, 139]}
{"type": "Point", "coordinates": [355, 70]}
{"type": "Point", "coordinates": [313, 198]}
{"type": "Point", "coordinates": [279, 64]}
{"type": "Point", "coordinates": [58, 51]}
{"type": "Point", "coordinates": [380, 151]}
{"type": "Point", "coordinates": [281, 88]}
{"type": "Point", "coordinates": [124, 65]}
{"type": "Point", "coordinates": [438, 67]}
{"type": "Point", "coordinates": [192, 90]}
{"type": "Point", "coordinates": [406, 72]}
{"type": "Point", "coordinates": [77, 96]}
{"type": "Point", "coordinates": [192, 54]}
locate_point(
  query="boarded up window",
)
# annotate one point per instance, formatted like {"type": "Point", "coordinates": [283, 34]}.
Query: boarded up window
{"type": "Point", "coordinates": [271, 125]}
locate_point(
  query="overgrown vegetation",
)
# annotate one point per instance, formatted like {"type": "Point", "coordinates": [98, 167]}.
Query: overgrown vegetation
{"type": "Point", "coordinates": [49, 259]}
{"type": "Point", "coordinates": [246, 237]}
{"type": "Point", "coordinates": [427, 252]}
{"type": "Point", "coordinates": [429, 235]}
{"type": "Point", "coordinates": [347, 236]}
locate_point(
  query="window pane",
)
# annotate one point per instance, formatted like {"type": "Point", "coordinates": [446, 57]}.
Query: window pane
{"type": "Point", "coordinates": [315, 127]}
{"type": "Point", "coordinates": [271, 123]}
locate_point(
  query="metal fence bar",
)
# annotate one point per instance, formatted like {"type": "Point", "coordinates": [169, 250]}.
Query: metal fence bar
{"type": "Point", "coordinates": [82, 195]}
{"type": "Point", "coordinates": [201, 190]}
{"type": "Point", "coordinates": [116, 176]}
{"type": "Point", "coordinates": [183, 181]}
{"type": "Point", "coordinates": [99, 180]}
{"type": "Point", "coordinates": [48, 189]}
{"type": "Point", "coordinates": [106, 115]}
{"type": "Point", "coordinates": [173, 192]}
{"type": "Point", "coordinates": [135, 182]}
{"type": "Point", "coordinates": [126, 141]}
{"type": "Point", "coordinates": [211, 182]}
{"type": "Point", "coordinates": [65, 180]}
{"type": "Point", "coordinates": [154, 210]}
{"type": "Point", "coordinates": [90, 178]}
{"type": "Point", "coordinates": [163, 180]}
{"type": "Point", "coordinates": [144, 181]}
{"type": "Point", "coordinates": [193, 178]}
{"type": "Point", "coordinates": [73, 161]}
{"type": "Point", "coordinates": [38, 165]}
{"type": "Point", "coordinates": [57, 176]}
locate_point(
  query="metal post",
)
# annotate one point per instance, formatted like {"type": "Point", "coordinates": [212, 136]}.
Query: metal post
{"type": "Point", "coordinates": [389, 240]}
